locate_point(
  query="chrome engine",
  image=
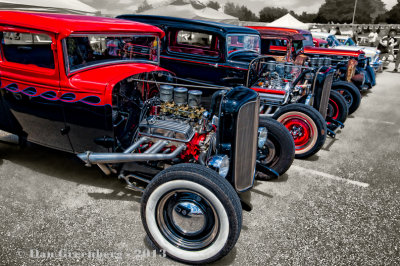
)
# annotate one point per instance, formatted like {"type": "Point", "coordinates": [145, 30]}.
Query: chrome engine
{"type": "Point", "coordinates": [173, 128]}
{"type": "Point", "coordinates": [278, 85]}
{"type": "Point", "coordinates": [166, 128]}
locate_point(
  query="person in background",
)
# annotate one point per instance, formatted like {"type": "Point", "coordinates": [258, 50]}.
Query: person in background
{"type": "Point", "coordinates": [397, 63]}
{"type": "Point", "coordinates": [372, 38]}
{"type": "Point", "coordinates": [356, 32]}
{"type": "Point", "coordinates": [392, 42]}
{"type": "Point", "coordinates": [387, 45]}
{"type": "Point", "coordinates": [338, 32]}
{"type": "Point", "coordinates": [394, 45]}
{"type": "Point", "coordinates": [383, 46]}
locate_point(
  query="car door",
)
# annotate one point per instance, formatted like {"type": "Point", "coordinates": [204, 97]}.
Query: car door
{"type": "Point", "coordinates": [30, 85]}
{"type": "Point", "coordinates": [87, 114]}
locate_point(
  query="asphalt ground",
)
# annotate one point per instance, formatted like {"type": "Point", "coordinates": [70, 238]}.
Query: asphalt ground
{"type": "Point", "coordinates": [339, 207]}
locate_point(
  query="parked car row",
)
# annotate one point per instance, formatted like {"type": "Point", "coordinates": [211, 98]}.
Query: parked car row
{"type": "Point", "coordinates": [347, 43]}
{"type": "Point", "coordinates": [187, 112]}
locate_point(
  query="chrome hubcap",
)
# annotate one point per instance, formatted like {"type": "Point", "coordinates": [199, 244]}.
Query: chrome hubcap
{"type": "Point", "coordinates": [188, 218]}
{"type": "Point", "coordinates": [297, 131]}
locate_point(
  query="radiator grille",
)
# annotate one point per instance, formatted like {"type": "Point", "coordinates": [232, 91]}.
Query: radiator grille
{"type": "Point", "coordinates": [326, 91]}
{"type": "Point", "coordinates": [246, 145]}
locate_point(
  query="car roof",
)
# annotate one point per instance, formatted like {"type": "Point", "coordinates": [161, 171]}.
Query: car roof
{"type": "Point", "coordinates": [217, 27]}
{"type": "Point", "coordinates": [65, 24]}
{"type": "Point", "coordinates": [343, 37]}
{"type": "Point", "coordinates": [321, 34]}
{"type": "Point", "coordinates": [282, 29]}
{"type": "Point", "coordinates": [295, 34]}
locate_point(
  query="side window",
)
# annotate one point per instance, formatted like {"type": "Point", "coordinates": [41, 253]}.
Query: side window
{"type": "Point", "coordinates": [194, 43]}
{"type": "Point", "coordinates": [28, 48]}
{"type": "Point", "coordinates": [276, 47]}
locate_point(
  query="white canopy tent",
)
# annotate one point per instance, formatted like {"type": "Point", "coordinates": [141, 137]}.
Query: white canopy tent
{"type": "Point", "coordinates": [288, 21]}
{"type": "Point", "coordinates": [189, 12]}
{"type": "Point", "coordinates": [57, 6]}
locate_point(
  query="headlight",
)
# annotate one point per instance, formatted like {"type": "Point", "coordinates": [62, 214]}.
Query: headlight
{"type": "Point", "coordinates": [262, 136]}
{"type": "Point", "coordinates": [219, 163]}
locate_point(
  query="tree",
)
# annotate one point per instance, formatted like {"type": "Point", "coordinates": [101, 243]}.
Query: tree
{"type": "Point", "coordinates": [144, 6]}
{"type": "Point", "coordinates": [393, 16]}
{"type": "Point", "coordinates": [214, 5]}
{"type": "Point", "coordinates": [194, 3]}
{"type": "Point", "coordinates": [241, 12]}
{"type": "Point", "coordinates": [307, 17]}
{"type": "Point", "coordinates": [269, 14]}
{"type": "Point", "coordinates": [341, 11]}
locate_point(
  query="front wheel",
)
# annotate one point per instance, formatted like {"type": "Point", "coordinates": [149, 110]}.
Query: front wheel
{"type": "Point", "coordinates": [192, 214]}
{"type": "Point", "coordinates": [337, 107]}
{"type": "Point", "coordinates": [278, 151]}
{"type": "Point", "coordinates": [306, 125]}
{"type": "Point", "coordinates": [350, 93]}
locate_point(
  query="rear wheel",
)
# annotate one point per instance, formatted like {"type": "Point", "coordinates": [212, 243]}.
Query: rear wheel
{"type": "Point", "coordinates": [279, 150]}
{"type": "Point", "coordinates": [337, 107]}
{"type": "Point", "coordinates": [192, 214]}
{"type": "Point", "coordinates": [350, 93]}
{"type": "Point", "coordinates": [306, 125]}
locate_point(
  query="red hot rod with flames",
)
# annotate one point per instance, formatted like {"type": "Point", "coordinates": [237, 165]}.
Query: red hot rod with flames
{"type": "Point", "coordinates": [67, 84]}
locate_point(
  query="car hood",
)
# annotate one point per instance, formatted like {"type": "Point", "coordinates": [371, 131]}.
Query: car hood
{"type": "Point", "coordinates": [97, 79]}
{"type": "Point", "coordinates": [332, 51]}
{"type": "Point", "coordinates": [369, 51]}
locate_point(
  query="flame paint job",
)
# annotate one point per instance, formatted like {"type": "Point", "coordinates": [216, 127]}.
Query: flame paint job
{"type": "Point", "coordinates": [52, 108]}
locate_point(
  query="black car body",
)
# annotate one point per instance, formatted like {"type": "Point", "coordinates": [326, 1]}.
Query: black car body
{"type": "Point", "coordinates": [204, 51]}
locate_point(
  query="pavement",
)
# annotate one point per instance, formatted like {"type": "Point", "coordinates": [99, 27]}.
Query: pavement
{"type": "Point", "coordinates": [339, 207]}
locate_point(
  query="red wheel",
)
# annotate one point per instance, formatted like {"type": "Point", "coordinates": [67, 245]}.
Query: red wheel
{"type": "Point", "coordinates": [333, 109]}
{"type": "Point", "coordinates": [302, 129]}
{"type": "Point", "coordinates": [337, 108]}
{"type": "Point", "coordinates": [306, 125]}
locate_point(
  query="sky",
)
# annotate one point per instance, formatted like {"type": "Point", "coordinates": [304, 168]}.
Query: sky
{"type": "Point", "coordinates": [298, 6]}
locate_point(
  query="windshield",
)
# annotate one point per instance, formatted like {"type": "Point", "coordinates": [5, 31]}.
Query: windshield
{"type": "Point", "coordinates": [243, 42]}
{"type": "Point", "coordinates": [87, 50]}
{"type": "Point", "coordinates": [308, 40]}
{"type": "Point", "coordinates": [332, 41]}
{"type": "Point", "coordinates": [350, 42]}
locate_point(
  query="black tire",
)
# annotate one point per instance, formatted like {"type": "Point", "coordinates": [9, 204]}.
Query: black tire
{"type": "Point", "coordinates": [279, 149]}
{"type": "Point", "coordinates": [166, 200]}
{"type": "Point", "coordinates": [337, 107]}
{"type": "Point", "coordinates": [306, 125]}
{"type": "Point", "coordinates": [350, 92]}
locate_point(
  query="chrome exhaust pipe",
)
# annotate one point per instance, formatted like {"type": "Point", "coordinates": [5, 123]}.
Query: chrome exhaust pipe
{"type": "Point", "coordinates": [156, 147]}
{"type": "Point", "coordinates": [136, 145]}
{"type": "Point", "coordinates": [106, 158]}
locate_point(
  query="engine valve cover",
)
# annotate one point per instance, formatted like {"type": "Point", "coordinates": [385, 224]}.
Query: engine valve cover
{"type": "Point", "coordinates": [169, 129]}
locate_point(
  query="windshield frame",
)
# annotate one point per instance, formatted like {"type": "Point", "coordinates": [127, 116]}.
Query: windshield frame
{"type": "Point", "coordinates": [336, 42]}
{"type": "Point", "coordinates": [350, 42]}
{"type": "Point", "coordinates": [69, 72]}
{"type": "Point", "coordinates": [242, 34]}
